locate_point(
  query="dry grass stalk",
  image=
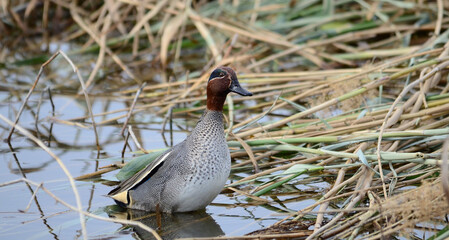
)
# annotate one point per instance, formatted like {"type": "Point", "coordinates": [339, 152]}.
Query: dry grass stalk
{"type": "Point", "coordinates": [404, 211]}
{"type": "Point", "coordinates": [86, 96]}
{"type": "Point", "coordinates": [61, 164]}
{"type": "Point", "coordinates": [80, 211]}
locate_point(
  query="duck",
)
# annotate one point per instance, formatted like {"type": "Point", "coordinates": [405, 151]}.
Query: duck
{"type": "Point", "coordinates": [188, 176]}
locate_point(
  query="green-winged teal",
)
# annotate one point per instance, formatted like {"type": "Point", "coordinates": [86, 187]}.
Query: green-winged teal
{"type": "Point", "coordinates": [190, 175]}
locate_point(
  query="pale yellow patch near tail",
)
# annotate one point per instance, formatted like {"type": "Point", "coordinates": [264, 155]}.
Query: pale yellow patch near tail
{"type": "Point", "coordinates": [121, 197]}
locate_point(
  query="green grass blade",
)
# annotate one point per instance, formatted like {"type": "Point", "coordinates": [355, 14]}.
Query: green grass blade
{"type": "Point", "coordinates": [295, 171]}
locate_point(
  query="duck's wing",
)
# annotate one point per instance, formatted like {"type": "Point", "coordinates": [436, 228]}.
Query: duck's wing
{"type": "Point", "coordinates": [120, 193]}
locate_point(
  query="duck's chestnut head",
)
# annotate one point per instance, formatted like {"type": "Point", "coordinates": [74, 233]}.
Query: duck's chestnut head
{"type": "Point", "coordinates": [222, 81]}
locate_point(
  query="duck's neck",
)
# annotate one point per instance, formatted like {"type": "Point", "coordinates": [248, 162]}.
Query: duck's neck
{"type": "Point", "coordinates": [211, 121]}
{"type": "Point", "coordinates": [215, 102]}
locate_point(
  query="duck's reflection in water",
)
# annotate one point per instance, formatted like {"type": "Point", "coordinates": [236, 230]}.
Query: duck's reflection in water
{"type": "Point", "coordinates": [176, 225]}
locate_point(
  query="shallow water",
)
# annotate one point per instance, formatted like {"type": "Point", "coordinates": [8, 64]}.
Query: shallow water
{"type": "Point", "coordinates": [229, 214]}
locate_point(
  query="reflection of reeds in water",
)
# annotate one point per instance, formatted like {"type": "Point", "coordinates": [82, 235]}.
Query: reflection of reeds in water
{"type": "Point", "coordinates": [329, 80]}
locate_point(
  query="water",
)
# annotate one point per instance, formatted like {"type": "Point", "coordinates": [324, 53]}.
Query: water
{"type": "Point", "coordinates": [229, 214]}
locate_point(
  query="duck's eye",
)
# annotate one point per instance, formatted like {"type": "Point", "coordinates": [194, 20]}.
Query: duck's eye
{"type": "Point", "coordinates": [222, 74]}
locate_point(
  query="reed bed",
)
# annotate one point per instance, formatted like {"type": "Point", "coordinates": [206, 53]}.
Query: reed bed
{"type": "Point", "coordinates": [353, 90]}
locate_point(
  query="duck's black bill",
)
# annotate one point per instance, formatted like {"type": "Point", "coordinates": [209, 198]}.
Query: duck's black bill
{"type": "Point", "coordinates": [235, 87]}
{"type": "Point", "coordinates": [239, 90]}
